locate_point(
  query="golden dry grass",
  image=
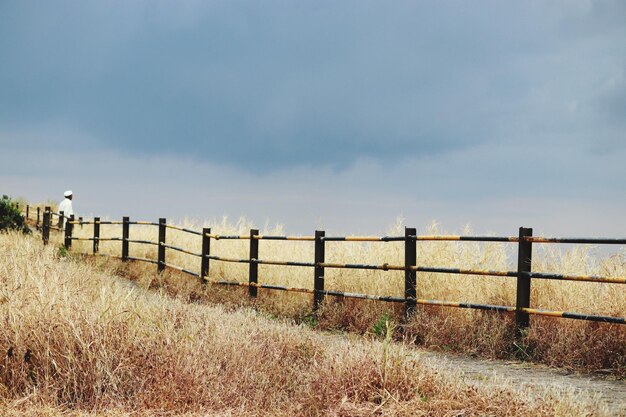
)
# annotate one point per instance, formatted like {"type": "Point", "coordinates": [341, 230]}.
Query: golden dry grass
{"type": "Point", "coordinates": [589, 298]}
{"type": "Point", "coordinates": [562, 342]}
{"type": "Point", "coordinates": [574, 344]}
{"type": "Point", "coordinates": [78, 341]}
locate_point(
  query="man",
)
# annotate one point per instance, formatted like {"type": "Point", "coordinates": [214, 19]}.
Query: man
{"type": "Point", "coordinates": [66, 205]}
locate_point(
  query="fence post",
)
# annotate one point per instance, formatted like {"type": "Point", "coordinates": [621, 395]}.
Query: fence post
{"type": "Point", "coordinates": [45, 230]}
{"type": "Point", "coordinates": [80, 221]}
{"type": "Point", "coordinates": [254, 267]}
{"type": "Point", "coordinates": [410, 280]}
{"type": "Point", "coordinates": [524, 266]}
{"type": "Point", "coordinates": [69, 225]}
{"type": "Point", "coordinates": [27, 211]}
{"type": "Point", "coordinates": [161, 264]}
{"type": "Point", "coordinates": [37, 224]}
{"type": "Point", "coordinates": [61, 217]}
{"type": "Point", "coordinates": [96, 234]}
{"type": "Point", "coordinates": [318, 271]}
{"type": "Point", "coordinates": [206, 250]}
{"type": "Point", "coordinates": [125, 235]}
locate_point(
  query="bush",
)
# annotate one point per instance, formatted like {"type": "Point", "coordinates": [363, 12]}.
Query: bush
{"type": "Point", "coordinates": [10, 217]}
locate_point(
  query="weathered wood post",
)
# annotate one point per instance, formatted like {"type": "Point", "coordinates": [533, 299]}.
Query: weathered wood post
{"type": "Point", "coordinates": [45, 231]}
{"type": "Point", "coordinates": [206, 251]}
{"type": "Point", "coordinates": [410, 260]}
{"type": "Point", "coordinates": [162, 229]}
{"type": "Point", "coordinates": [524, 266]}
{"type": "Point", "coordinates": [125, 235]}
{"type": "Point", "coordinates": [318, 271]}
{"type": "Point", "coordinates": [96, 234]}
{"type": "Point", "coordinates": [69, 225]}
{"type": "Point", "coordinates": [37, 224]}
{"type": "Point", "coordinates": [27, 211]}
{"type": "Point", "coordinates": [61, 218]}
{"type": "Point", "coordinates": [253, 277]}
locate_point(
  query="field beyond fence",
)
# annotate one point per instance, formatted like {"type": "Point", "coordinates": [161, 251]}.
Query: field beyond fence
{"type": "Point", "coordinates": [204, 254]}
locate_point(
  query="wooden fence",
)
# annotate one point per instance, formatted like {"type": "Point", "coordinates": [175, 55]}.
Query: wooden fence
{"type": "Point", "coordinates": [524, 274]}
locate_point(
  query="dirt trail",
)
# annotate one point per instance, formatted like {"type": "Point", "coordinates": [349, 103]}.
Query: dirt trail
{"type": "Point", "coordinates": [530, 378]}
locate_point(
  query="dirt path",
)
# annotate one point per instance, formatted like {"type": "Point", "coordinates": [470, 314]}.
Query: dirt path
{"type": "Point", "coordinates": [525, 377]}
{"type": "Point", "coordinates": [530, 378]}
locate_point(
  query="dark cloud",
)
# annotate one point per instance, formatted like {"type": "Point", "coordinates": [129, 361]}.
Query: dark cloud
{"type": "Point", "coordinates": [285, 84]}
{"type": "Point", "coordinates": [274, 84]}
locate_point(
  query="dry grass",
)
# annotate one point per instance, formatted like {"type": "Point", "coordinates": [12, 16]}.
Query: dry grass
{"type": "Point", "coordinates": [574, 344]}
{"type": "Point", "coordinates": [78, 341]}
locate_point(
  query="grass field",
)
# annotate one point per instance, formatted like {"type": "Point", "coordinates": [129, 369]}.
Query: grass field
{"type": "Point", "coordinates": [77, 340]}
{"type": "Point", "coordinates": [578, 345]}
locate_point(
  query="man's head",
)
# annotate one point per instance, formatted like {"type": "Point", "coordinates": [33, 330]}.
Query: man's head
{"type": "Point", "coordinates": [68, 194]}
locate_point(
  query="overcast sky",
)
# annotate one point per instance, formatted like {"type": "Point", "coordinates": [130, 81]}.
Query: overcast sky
{"type": "Point", "coordinates": [340, 115]}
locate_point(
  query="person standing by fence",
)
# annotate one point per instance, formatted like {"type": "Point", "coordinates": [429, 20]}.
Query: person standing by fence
{"type": "Point", "coordinates": [66, 205]}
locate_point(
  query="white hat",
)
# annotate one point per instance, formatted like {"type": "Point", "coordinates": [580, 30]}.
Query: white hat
{"type": "Point", "coordinates": [67, 193]}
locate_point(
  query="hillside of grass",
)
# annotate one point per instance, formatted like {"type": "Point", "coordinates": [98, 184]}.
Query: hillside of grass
{"type": "Point", "coordinates": [577, 345]}
{"type": "Point", "coordinates": [78, 340]}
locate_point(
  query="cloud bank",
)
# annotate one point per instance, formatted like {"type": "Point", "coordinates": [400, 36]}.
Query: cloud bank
{"type": "Point", "coordinates": [316, 112]}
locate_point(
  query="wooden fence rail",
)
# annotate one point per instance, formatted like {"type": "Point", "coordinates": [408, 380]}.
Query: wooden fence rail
{"type": "Point", "coordinates": [523, 274]}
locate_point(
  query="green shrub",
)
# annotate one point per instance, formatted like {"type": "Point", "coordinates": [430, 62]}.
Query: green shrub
{"type": "Point", "coordinates": [10, 217]}
{"type": "Point", "coordinates": [382, 325]}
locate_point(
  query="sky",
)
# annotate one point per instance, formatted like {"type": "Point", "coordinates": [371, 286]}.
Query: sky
{"type": "Point", "coordinates": [335, 115]}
